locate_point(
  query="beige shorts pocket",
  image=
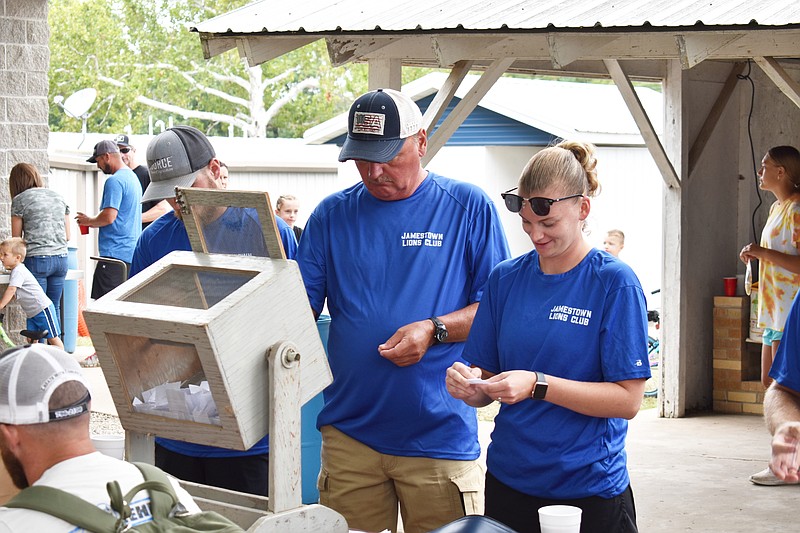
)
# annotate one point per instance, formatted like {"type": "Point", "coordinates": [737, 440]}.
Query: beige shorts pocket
{"type": "Point", "coordinates": [322, 485]}
{"type": "Point", "coordinates": [470, 484]}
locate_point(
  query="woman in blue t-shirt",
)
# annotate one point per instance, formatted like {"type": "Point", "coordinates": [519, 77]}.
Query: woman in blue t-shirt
{"type": "Point", "coordinates": [560, 340]}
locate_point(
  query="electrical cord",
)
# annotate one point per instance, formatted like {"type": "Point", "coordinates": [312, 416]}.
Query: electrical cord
{"type": "Point", "coordinates": [747, 77]}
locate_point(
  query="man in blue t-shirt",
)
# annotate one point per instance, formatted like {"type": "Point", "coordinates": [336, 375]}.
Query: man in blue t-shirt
{"type": "Point", "coordinates": [119, 219]}
{"type": "Point", "coordinates": [183, 157]}
{"type": "Point", "coordinates": [401, 259]}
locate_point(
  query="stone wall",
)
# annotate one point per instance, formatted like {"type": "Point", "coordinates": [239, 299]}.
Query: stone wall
{"type": "Point", "coordinates": [24, 61]}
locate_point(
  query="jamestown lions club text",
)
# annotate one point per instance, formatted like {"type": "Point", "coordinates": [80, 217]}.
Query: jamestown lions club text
{"type": "Point", "coordinates": [571, 314]}
{"type": "Point", "coordinates": [422, 238]}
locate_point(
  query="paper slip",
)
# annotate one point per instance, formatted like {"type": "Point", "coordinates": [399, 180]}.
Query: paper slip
{"type": "Point", "coordinates": [476, 381]}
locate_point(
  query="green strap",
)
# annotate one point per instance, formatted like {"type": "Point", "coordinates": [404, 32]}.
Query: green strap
{"type": "Point", "coordinates": [81, 513]}
{"type": "Point", "coordinates": [65, 506]}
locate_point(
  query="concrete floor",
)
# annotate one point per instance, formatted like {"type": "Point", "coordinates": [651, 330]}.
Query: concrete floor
{"type": "Point", "coordinates": [691, 474]}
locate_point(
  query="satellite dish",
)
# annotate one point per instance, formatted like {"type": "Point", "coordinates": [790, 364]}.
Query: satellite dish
{"type": "Point", "coordinates": [78, 104]}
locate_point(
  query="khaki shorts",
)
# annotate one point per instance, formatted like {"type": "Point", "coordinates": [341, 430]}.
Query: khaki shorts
{"type": "Point", "coordinates": [366, 486]}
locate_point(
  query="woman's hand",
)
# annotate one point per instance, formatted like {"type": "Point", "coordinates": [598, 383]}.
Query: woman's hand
{"type": "Point", "coordinates": [460, 389]}
{"type": "Point", "coordinates": [751, 251]}
{"type": "Point", "coordinates": [511, 387]}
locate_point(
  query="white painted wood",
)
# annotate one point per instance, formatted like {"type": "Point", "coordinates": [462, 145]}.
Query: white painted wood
{"type": "Point", "coordinates": [643, 122]}
{"type": "Point", "coordinates": [140, 447]}
{"type": "Point", "coordinates": [194, 201]}
{"type": "Point", "coordinates": [465, 107]}
{"type": "Point", "coordinates": [714, 115]}
{"type": "Point", "coordinates": [695, 48]}
{"type": "Point", "coordinates": [285, 487]}
{"type": "Point", "coordinates": [145, 337]}
{"type": "Point", "coordinates": [788, 85]}
{"type": "Point", "coordinates": [445, 94]}
{"type": "Point", "coordinates": [385, 74]}
{"type": "Point", "coordinates": [564, 49]}
{"type": "Point", "coordinates": [671, 401]}
{"type": "Point", "coordinates": [344, 50]}
{"type": "Point", "coordinates": [306, 519]}
{"type": "Point", "coordinates": [450, 51]}
{"type": "Point", "coordinates": [213, 46]}
{"type": "Point", "coordinates": [258, 51]}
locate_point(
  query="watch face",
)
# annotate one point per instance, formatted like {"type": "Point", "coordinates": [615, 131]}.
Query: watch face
{"type": "Point", "coordinates": [441, 334]}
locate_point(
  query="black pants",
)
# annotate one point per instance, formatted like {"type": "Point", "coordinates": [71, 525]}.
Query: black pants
{"type": "Point", "coordinates": [521, 511]}
{"type": "Point", "coordinates": [248, 473]}
{"type": "Point", "coordinates": [107, 277]}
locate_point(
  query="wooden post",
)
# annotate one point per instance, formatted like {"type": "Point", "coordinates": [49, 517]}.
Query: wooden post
{"type": "Point", "coordinates": [285, 485]}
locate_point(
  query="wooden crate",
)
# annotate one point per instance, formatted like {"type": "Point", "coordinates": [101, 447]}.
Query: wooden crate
{"type": "Point", "coordinates": [219, 314]}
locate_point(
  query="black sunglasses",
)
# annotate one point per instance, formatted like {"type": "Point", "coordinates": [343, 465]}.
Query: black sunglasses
{"type": "Point", "coordinates": [124, 150]}
{"type": "Point", "coordinates": [539, 204]}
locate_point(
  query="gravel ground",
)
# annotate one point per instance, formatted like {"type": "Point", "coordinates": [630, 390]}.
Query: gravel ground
{"type": "Point", "coordinates": [103, 424]}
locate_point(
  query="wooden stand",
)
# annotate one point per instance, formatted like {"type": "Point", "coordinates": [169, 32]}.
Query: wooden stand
{"type": "Point", "coordinates": [283, 509]}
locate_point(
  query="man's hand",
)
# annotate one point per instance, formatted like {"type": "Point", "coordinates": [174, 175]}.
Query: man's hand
{"type": "Point", "coordinates": [409, 343]}
{"type": "Point", "coordinates": [784, 461]}
{"type": "Point", "coordinates": [83, 219]}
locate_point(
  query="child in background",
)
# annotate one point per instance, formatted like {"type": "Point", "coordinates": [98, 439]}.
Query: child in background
{"type": "Point", "coordinates": [34, 302]}
{"type": "Point", "coordinates": [614, 242]}
{"type": "Point", "coordinates": [287, 208]}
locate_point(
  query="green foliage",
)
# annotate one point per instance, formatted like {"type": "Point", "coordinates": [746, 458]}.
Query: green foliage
{"type": "Point", "coordinates": [131, 48]}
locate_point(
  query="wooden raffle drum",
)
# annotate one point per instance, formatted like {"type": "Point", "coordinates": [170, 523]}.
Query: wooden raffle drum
{"type": "Point", "coordinates": [243, 323]}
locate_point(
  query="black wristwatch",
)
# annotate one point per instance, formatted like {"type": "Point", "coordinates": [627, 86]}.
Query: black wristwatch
{"type": "Point", "coordinates": [540, 389]}
{"type": "Point", "coordinates": [440, 333]}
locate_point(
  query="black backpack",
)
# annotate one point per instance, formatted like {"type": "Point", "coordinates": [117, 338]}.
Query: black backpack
{"type": "Point", "coordinates": [169, 515]}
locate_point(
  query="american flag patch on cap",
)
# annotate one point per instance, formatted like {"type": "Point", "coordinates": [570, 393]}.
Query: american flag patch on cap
{"type": "Point", "coordinates": [369, 123]}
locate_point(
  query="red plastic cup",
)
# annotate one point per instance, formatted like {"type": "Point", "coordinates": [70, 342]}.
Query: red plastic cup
{"type": "Point", "coordinates": [730, 286]}
{"type": "Point", "coordinates": [84, 229]}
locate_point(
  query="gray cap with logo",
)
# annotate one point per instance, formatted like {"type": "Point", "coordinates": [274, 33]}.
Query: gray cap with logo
{"type": "Point", "coordinates": [174, 159]}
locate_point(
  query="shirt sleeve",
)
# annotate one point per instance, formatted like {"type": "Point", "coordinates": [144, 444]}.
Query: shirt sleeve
{"type": "Point", "coordinates": [486, 248]}
{"type": "Point", "coordinates": [311, 259]}
{"type": "Point", "coordinates": [112, 194]}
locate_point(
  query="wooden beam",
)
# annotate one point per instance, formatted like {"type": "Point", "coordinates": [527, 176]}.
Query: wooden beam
{"type": "Point", "coordinates": [465, 107]}
{"type": "Point", "coordinates": [643, 122]}
{"type": "Point", "coordinates": [780, 77]}
{"type": "Point", "coordinates": [714, 115]}
{"type": "Point", "coordinates": [564, 49]}
{"type": "Point", "coordinates": [694, 48]}
{"type": "Point", "coordinates": [385, 74]}
{"type": "Point", "coordinates": [445, 94]}
{"type": "Point", "coordinates": [449, 50]}
{"type": "Point", "coordinates": [343, 50]}
{"type": "Point", "coordinates": [213, 46]}
{"type": "Point", "coordinates": [259, 50]}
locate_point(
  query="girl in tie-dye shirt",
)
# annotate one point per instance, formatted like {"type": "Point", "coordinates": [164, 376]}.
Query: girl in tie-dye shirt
{"type": "Point", "coordinates": [778, 253]}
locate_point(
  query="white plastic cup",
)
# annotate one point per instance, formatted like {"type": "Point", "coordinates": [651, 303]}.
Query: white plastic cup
{"type": "Point", "coordinates": [560, 519]}
{"type": "Point", "coordinates": [111, 445]}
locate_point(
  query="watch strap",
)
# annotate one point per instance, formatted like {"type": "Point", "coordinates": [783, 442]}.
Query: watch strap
{"type": "Point", "coordinates": [540, 388]}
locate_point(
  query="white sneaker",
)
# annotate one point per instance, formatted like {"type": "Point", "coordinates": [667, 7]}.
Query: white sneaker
{"type": "Point", "coordinates": [768, 479]}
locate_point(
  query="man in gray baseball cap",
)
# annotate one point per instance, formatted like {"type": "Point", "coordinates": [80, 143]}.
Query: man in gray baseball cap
{"type": "Point", "coordinates": [102, 148]}
{"type": "Point", "coordinates": [183, 156]}
{"type": "Point", "coordinates": [176, 158]}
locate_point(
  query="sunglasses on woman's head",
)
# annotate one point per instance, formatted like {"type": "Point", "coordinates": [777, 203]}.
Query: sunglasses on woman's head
{"type": "Point", "coordinates": [539, 204]}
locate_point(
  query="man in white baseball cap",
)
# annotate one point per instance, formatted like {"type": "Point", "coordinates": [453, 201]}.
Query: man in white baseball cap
{"type": "Point", "coordinates": [44, 437]}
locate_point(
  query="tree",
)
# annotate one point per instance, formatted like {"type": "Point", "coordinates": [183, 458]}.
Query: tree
{"type": "Point", "coordinates": [147, 66]}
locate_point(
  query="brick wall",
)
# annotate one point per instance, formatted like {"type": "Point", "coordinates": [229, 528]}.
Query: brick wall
{"type": "Point", "coordinates": [737, 362]}
{"type": "Point", "coordinates": [24, 62]}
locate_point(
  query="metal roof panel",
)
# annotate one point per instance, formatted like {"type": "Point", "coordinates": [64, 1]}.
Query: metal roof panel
{"type": "Point", "coordinates": [333, 16]}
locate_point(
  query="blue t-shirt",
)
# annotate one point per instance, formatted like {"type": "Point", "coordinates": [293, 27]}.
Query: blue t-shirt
{"type": "Point", "coordinates": [168, 234]}
{"type": "Point", "coordinates": [785, 368]}
{"type": "Point", "coordinates": [588, 324]}
{"type": "Point", "coordinates": [123, 193]}
{"type": "Point", "coordinates": [382, 265]}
